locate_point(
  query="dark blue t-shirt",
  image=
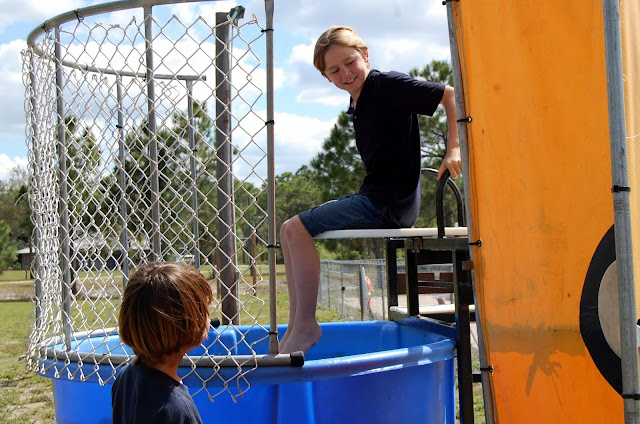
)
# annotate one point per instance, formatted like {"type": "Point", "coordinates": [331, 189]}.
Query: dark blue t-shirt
{"type": "Point", "coordinates": [388, 139]}
{"type": "Point", "coordinates": [142, 394]}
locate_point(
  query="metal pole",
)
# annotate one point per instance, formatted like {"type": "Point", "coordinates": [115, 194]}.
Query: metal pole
{"type": "Point", "coordinates": [64, 198]}
{"type": "Point", "coordinates": [382, 290]}
{"type": "Point", "coordinates": [342, 290]}
{"type": "Point", "coordinates": [223, 172]}
{"type": "Point", "coordinates": [194, 175]}
{"type": "Point", "coordinates": [329, 286]}
{"type": "Point", "coordinates": [96, 9]}
{"type": "Point", "coordinates": [254, 253]}
{"type": "Point", "coordinates": [487, 387]}
{"type": "Point", "coordinates": [361, 290]}
{"type": "Point", "coordinates": [233, 15]}
{"type": "Point", "coordinates": [122, 181]}
{"type": "Point", "coordinates": [37, 177]}
{"type": "Point", "coordinates": [153, 136]}
{"type": "Point", "coordinates": [320, 295]}
{"type": "Point", "coordinates": [622, 211]}
{"type": "Point", "coordinates": [271, 188]}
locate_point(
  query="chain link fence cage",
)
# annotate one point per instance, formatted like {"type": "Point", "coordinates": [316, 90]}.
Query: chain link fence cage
{"type": "Point", "coordinates": [356, 290]}
{"type": "Point", "coordinates": [149, 139]}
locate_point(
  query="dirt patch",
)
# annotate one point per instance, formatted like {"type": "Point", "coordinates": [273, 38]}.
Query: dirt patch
{"type": "Point", "coordinates": [16, 292]}
{"type": "Point", "coordinates": [29, 404]}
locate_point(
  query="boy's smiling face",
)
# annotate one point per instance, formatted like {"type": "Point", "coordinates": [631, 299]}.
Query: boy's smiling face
{"type": "Point", "coordinates": [347, 68]}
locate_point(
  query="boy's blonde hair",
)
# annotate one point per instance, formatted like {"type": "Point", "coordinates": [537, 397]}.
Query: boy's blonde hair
{"type": "Point", "coordinates": [165, 309]}
{"type": "Point", "coordinates": [342, 35]}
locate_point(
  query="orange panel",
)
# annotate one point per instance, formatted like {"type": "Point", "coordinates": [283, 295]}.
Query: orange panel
{"type": "Point", "coordinates": [540, 198]}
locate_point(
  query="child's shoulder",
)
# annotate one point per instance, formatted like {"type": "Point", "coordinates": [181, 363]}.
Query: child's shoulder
{"type": "Point", "coordinates": [391, 81]}
{"type": "Point", "coordinates": [391, 78]}
{"type": "Point", "coordinates": [390, 75]}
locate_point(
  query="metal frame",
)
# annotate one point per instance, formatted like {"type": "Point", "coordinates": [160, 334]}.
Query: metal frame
{"type": "Point", "coordinates": [96, 9]}
{"type": "Point", "coordinates": [454, 250]}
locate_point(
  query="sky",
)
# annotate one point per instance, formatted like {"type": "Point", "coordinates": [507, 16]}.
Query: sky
{"type": "Point", "coordinates": [400, 34]}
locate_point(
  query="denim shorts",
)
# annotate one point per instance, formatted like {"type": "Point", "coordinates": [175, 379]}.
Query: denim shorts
{"type": "Point", "coordinates": [348, 212]}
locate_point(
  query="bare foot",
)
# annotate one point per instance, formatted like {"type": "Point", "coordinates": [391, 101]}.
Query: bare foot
{"type": "Point", "coordinates": [284, 339]}
{"type": "Point", "coordinates": [302, 338]}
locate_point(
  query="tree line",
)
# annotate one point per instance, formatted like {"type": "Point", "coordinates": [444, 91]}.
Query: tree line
{"type": "Point", "coordinates": [95, 196]}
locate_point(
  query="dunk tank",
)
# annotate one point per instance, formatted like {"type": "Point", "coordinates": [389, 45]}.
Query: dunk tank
{"type": "Point", "coordinates": [151, 139]}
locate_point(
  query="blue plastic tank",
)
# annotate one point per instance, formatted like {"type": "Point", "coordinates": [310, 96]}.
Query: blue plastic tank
{"type": "Point", "coordinates": [360, 372]}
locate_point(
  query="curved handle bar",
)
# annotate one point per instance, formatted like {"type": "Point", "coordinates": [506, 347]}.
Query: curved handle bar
{"type": "Point", "coordinates": [445, 180]}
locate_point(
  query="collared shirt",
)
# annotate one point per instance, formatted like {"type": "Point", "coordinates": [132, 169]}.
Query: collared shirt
{"type": "Point", "coordinates": [388, 139]}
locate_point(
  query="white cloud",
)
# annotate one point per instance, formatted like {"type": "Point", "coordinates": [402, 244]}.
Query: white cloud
{"type": "Point", "coordinates": [386, 27]}
{"type": "Point", "coordinates": [298, 139]}
{"type": "Point", "coordinates": [324, 96]}
{"type": "Point", "coordinates": [34, 10]}
{"type": "Point", "coordinates": [7, 164]}
{"type": "Point", "coordinates": [302, 53]}
{"type": "Point", "coordinates": [389, 53]}
{"type": "Point", "coordinates": [188, 12]}
{"type": "Point", "coordinates": [12, 116]}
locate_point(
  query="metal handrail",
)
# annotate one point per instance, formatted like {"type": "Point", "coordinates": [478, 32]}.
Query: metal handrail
{"type": "Point", "coordinates": [445, 180]}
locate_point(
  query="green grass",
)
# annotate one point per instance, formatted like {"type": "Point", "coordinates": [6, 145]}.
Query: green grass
{"type": "Point", "coordinates": [18, 275]}
{"type": "Point", "coordinates": [24, 396]}
{"type": "Point", "coordinates": [478, 400]}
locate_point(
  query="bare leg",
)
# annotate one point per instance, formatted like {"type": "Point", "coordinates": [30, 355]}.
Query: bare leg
{"type": "Point", "coordinates": [304, 265]}
{"type": "Point", "coordinates": [288, 270]}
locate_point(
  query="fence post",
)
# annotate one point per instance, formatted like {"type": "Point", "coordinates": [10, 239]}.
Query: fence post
{"type": "Point", "coordinates": [342, 290]}
{"type": "Point", "coordinates": [362, 288]}
{"type": "Point", "coordinates": [122, 184]}
{"type": "Point", "coordinates": [153, 136]}
{"type": "Point", "coordinates": [194, 175]}
{"type": "Point", "coordinates": [380, 268]}
{"type": "Point", "coordinates": [223, 173]}
{"type": "Point", "coordinates": [329, 287]}
{"type": "Point", "coordinates": [64, 198]}
{"type": "Point", "coordinates": [622, 212]}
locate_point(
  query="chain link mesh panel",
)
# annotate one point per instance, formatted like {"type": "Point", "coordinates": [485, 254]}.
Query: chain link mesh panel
{"type": "Point", "coordinates": [146, 142]}
{"type": "Point", "coordinates": [357, 290]}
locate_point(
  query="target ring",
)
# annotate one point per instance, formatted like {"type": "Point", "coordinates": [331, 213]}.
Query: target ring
{"type": "Point", "coordinates": [599, 313]}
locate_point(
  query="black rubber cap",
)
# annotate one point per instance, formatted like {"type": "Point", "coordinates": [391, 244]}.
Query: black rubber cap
{"type": "Point", "coordinates": [297, 359]}
{"type": "Point", "coordinates": [215, 322]}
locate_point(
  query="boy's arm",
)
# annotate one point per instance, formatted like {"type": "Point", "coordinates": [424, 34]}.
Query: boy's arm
{"type": "Point", "coordinates": [452, 159]}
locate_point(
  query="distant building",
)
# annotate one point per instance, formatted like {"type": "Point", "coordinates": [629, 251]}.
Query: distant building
{"type": "Point", "coordinates": [25, 256]}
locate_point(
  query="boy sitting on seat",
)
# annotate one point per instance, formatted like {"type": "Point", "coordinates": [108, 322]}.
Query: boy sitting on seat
{"type": "Point", "coordinates": [384, 107]}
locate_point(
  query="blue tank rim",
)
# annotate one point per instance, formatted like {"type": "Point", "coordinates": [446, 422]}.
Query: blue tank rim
{"type": "Point", "coordinates": [101, 368]}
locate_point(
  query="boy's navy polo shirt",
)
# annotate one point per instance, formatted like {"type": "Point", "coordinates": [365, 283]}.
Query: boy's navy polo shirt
{"type": "Point", "coordinates": [146, 395]}
{"type": "Point", "coordinates": [388, 139]}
